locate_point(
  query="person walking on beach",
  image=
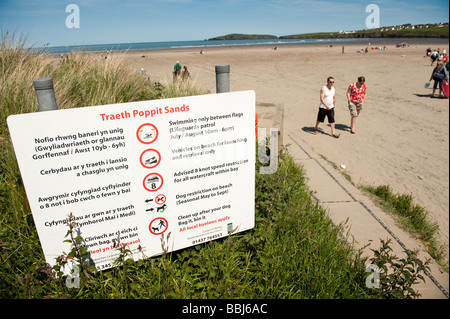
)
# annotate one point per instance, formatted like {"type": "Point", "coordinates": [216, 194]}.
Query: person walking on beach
{"type": "Point", "coordinates": [144, 74]}
{"type": "Point", "coordinates": [444, 57]}
{"type": "Point", "coordinates": [186, 75]}
{"type": "Point", "coordinates": [326, 107]}
{"type": "Point", "coordinates": [438, 75]}
{"type": "Point", "coordinates": [356, 94]}
{"type": "Point", "coordinates": [434, 56]}
{"type": "Point", "coordinates": [176, 70]}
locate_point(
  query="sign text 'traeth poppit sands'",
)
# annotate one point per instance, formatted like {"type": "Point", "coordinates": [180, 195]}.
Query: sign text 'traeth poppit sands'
{"type": "Point", "coordinates": [140, 170]}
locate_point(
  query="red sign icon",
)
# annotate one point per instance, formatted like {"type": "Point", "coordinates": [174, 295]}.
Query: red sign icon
{"type": "Point", "coordinates": [160, 199]}
{"type": "Point", "coordinates": [153, 182]}
{"type": "Point", "coordinates": [150, 158]}
{"type": "Point", "coordinates": [147, 133]}
{"type": "Point", "coordinates": [158, 226]}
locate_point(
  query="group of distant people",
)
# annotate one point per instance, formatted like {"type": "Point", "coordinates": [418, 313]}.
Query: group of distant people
{"type": "Point", "coordinates": [436, 55]}
{"type": "Point", "coordinates": [356, 95]}
{"type": "Point", "coordinates": [177, 73]}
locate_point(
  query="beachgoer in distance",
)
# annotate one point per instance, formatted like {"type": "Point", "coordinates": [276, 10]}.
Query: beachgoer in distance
{"type": "Point", "coordinates": [326, 107]}
{"type": "Point", "coordinates": [144, 74]}
{"type": "Point", "coordinates": [186, 75]}
{"type": "Point", "coordinates": [434, 56]}
{"type": "Point", "coordinates": [356, 94]}
{"type": "Point", "coordinates": [444, 56]}
{"type": "Point", "coordinates": [176, 70]}
{"type": "Point", "coordinates": [438, 75]}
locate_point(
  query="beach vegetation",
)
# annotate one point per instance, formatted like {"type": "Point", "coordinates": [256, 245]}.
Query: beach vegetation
{"type": "Point", "coordinates": [334, 165]}
{"type": "Point", "coordinates": [397, 275]}
{"type": "Point", "coordinates": [412, 217]}
{"type": "Point", "coordinates": [294, 250]}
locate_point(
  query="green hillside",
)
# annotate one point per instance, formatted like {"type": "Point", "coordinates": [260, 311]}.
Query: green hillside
{"type": "Point", "coordinates": [434, 32]}
{"type": "Point", "coordinates": [438, 30]}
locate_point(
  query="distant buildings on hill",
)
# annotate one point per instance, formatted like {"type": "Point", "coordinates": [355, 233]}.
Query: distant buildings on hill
{"type": "Point", "coordinates": [404, 27]}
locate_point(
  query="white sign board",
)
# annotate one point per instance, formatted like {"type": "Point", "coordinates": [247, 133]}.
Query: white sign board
{"type": "Point", "coordinates": [184, 166]}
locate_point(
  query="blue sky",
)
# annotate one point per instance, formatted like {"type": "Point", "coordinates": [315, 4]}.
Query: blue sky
{"type": "Point", "coordinates": [126, 21]}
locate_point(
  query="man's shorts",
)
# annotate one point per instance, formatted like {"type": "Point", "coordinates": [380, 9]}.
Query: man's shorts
{"type": "Point", "coordinates": [327, 113]}
{"type": "Point", "coordinates": [355, 107]}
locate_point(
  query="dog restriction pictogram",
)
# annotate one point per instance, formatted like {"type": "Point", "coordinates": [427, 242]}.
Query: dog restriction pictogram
{"type": "Point", "coordinates": [156, 205]}
{"type": "Point", "coordinates": [160, 199]}
{"type": "Point", "coordinates": [158, 226]}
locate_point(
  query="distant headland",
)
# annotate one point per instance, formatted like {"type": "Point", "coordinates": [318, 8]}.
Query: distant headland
{"type": "Point", "coordinates": [430, 30]}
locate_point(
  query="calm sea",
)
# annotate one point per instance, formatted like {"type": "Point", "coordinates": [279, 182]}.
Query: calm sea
{"type": "Point", "coordinates": [202, 44]}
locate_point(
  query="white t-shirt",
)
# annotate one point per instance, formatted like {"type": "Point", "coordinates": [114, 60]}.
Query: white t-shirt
{"type": "Point", "coordinates": [328, 97]}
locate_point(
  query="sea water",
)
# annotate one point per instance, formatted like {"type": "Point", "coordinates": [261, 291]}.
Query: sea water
{"type": "Point", "coordinates": [199, 44]}
{"type": "Point", "coordinates": [204, 44]}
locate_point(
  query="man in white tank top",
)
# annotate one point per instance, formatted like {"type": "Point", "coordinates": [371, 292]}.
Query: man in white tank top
{"type": "Point", "coordinates": [326, 107]}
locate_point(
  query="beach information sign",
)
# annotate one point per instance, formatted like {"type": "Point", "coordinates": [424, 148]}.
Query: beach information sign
{"type": "Point", "coordinates": [136, 172]}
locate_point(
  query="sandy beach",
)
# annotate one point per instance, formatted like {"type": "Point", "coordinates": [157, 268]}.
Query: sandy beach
{"type": "Point", "coordinates": [402, 137]}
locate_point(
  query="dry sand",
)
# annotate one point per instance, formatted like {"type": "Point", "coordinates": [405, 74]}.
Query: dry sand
{"type": "Point", "coordinates": [402, 137]}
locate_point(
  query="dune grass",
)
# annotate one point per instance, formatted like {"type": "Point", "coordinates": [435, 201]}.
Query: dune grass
{"type": "Point", "coordinates": [411, 217]}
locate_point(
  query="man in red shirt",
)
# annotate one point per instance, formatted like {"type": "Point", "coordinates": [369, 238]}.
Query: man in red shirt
{"type": "Point", "coordinates": [356, 94]}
